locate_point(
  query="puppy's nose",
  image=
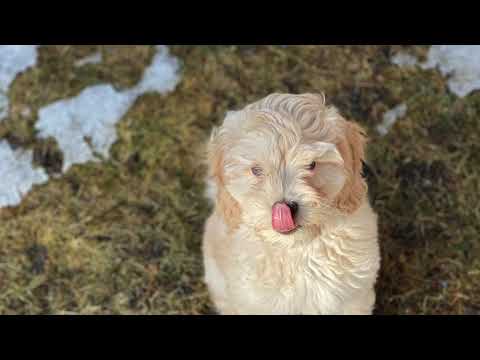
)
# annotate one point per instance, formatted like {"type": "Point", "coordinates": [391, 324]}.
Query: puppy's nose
{"type": "Point", "coordinates": [293, 207]}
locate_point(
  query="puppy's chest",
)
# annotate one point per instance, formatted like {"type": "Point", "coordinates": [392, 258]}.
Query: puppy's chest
{"type": "Point", "coordinates": [311, 277]}
{"type": "Point", "coordinates": [293, 267]}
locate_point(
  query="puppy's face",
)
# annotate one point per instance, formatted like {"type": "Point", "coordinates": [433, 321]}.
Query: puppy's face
{"type": "Point", "coordinates": [282, 173]}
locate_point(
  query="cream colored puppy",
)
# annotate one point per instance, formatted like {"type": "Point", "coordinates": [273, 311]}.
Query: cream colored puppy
{"type": "Point", "coordinates": [292, 231]}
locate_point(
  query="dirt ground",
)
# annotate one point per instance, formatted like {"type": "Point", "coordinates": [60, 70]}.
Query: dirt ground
{"type": "Point", "coordinates": [123, 236]}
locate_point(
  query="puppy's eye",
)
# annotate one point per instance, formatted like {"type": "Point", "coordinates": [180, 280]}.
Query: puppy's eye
{"type": "Point", "coordinates": [257, 171]}
{"type": "Point", "coordinates": [312, 165]}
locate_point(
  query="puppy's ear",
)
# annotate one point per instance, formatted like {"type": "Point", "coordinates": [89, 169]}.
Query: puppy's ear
{"type": "Point", "coordinates": [352, 149]}
{"type": "Point", "coordinates": [220, 139]}
{"type": "Point", "coordinates": [331, 175]}
{"type": "Point", "coordinates": [215, 151]}
{"type": "Point", "coordinates": [224, 202]}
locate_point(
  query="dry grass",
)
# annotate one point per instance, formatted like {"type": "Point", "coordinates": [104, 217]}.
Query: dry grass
{"type": "Point", "coordinates": [124, 236]}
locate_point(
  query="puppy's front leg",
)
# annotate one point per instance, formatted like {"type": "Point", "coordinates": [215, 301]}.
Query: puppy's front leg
{"type": "Point", "coordinates": [362, 305]}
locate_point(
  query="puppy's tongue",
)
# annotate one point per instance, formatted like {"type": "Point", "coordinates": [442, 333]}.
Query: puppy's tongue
{"type": "Point", "coordinates": [282, 219]}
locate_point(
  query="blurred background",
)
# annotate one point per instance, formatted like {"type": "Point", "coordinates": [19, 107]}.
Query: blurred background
{"type": "Point", "coordinates": [101, 179]}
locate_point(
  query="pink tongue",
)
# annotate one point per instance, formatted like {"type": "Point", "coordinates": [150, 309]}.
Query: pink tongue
{"type": "Point", "coordinates": [282, 220]}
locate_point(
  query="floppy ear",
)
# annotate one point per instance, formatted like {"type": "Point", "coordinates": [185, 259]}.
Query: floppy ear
{"type": "Point", "coordinates": [215, 157]}
{"type": "Point", "coordinates": [225, 204]}
{"type": "Point", "coordinates": [352, 149]}
{"type": "Point", "coordinates": [330, 175]}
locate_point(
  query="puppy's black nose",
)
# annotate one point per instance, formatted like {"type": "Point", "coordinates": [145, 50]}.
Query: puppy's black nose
{"type": "Point", "coordinates": [293, 207]}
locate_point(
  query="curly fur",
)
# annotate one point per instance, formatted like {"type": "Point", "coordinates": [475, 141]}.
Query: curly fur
{"type": "Point", "coordinates": [329, 264]}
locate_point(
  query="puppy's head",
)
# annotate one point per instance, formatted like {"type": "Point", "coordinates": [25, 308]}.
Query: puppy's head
{"type": "Point", "coordinates": [286, 165]}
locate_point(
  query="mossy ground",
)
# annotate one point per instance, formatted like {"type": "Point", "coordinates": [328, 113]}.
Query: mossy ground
{"type": "Point", "coordinates": [123, 236]}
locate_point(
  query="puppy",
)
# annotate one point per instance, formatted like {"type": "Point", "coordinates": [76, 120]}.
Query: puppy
{"type": "Point", "coordinates": [292, 231]}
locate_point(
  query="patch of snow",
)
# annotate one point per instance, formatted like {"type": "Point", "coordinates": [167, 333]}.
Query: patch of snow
{"type": "Point", "coordinates": [85, 125]}
{"type": "Point", "coordinates": [3, 105]}
{"type": "Point", "coordinates": [18, 174]}
{"type": "Point", "coordinates": [91, 115]}
{"type": "Point", "coordinates": [95, 58]}
{"type": "Point", "coordinates": [161, 76]}
{"type": "Point", "coordinates": [14, 59]}
{"type": "Point", "coordinates": [403, 59]}
{"type": "Point", "coordinates": [390, 117]}
{"type": "Point", "coordinates": [460, 62]}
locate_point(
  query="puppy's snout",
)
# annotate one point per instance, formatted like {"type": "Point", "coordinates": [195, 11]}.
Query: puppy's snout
{"type": "Point", "coordinates": [293, 207]}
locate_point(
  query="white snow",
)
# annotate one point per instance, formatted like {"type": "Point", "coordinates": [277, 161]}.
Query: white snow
{"type": "Point", "coordinates": [84, 126]}
{"type": "Point", "coordinates": [161, 76]}
{"type": "Point", "coordinates": [403, 59]}
{"type": "Point", "coordinates": [90, 115]}
{"type": "Point", "coordinates": [14, 59]}
{"type": "Point", "coordinates": [390, 117]}
{"type": "Point", "coordinates": [459, 63]}
{"type": "Point", "coordinates": [18, 175]}
{"type": "Point", "coordinates": [95, 58]}
{"type": "Point", "coordinates": [93, 114]}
